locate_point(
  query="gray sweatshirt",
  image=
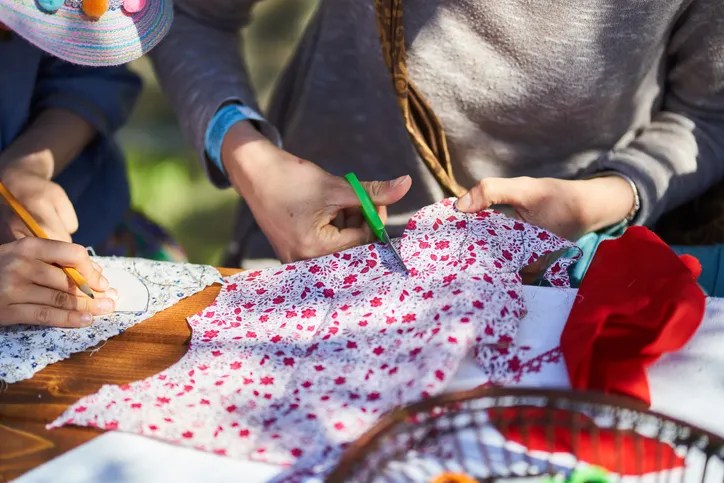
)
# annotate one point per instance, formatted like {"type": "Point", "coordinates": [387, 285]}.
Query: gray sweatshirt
{"type": "Point", "coordinates": [561, 88]}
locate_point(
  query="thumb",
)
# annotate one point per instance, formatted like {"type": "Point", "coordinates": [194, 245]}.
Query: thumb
{"type": "Point", "coordinates": [385, 193]}
{"type": "Point", "coordinates": [382, 193]}
{"type": "Point", "coordinates": [488, 192]}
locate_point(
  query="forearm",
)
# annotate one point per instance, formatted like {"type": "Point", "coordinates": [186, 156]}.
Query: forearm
{"type": "Point", "coordinates": [242, 154]}
{"type": "Point", "coordinates": [603, 201]}
{"type": "Point", "coordinates": [49, 143]}
{"type": "Point", "coordinates": [103, 96]}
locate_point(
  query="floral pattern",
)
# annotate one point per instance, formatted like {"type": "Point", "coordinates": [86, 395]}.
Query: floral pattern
{"type": "Point", "coordinates": [25, 350]}
{"type": "Point", "coordinates": [289, 364]}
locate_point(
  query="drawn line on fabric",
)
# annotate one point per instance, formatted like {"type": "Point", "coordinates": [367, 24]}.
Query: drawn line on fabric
{"type": "Point", "coordinates": [158, 284]}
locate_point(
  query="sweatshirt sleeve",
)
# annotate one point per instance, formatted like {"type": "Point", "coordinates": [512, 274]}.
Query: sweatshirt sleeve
{"type": "Point", "coordinates": [103, 96]}
{"type": "Point", "coordinates": [200, 66]}
{"type": "Point", "coordinates": [680, 154]}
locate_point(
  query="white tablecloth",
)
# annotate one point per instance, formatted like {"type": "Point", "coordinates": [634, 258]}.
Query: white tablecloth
{"type": "Point", "coordinates": [688, 385]}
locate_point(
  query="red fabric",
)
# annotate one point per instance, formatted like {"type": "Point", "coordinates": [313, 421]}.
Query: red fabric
{"type": "Point", "coordinates": [623, 451]}
{"type": "Point", "coordinates": [637, 301]}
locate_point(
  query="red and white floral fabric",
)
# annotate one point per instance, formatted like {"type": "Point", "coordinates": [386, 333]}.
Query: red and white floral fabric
{"type": "Point", "coordinates": [291, 363]}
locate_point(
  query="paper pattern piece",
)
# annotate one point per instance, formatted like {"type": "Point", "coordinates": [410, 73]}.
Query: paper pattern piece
{"type": "Point", "coordinates": [24, 350]}
{"type": "Point", "coordinates": [291, 363]}
{"type": "Point", "coordinates": [133, 295]}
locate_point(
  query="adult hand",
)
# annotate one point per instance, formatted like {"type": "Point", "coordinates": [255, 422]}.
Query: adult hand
{"type": "Point", "coordinates": [568, 208]}
{"type": "Point", "coordinates": [304, 211]}
{"type": "Point", "coordinates": [35, 291]}
{"type": "Point", "coordinates": [29, 181]}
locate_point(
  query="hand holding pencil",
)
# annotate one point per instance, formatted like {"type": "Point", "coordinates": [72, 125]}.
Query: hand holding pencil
{"type": "Point", "coordinates": [49, 282]}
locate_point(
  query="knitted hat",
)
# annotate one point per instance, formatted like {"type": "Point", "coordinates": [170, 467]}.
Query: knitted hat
{"type": "Point", "coordinates": [90, 32]}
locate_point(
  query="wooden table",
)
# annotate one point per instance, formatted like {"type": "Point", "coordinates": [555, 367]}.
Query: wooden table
{"type": "Point", "coordinates": [141, 351]}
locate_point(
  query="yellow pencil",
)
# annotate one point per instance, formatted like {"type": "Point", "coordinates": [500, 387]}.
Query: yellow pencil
{"type": "Point", "coordinates": [36, 230]}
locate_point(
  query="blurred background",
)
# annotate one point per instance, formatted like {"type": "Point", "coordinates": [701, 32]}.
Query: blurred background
{"type": "Point", "coordinates": [167, 181]}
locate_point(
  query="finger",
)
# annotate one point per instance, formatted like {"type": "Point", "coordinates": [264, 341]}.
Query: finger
{"type": "Point", "coordinates": [382, 193]}
{"type": "Point", "coordinates": [385, 193]}
{"type": "Point", "coordinates": [65, 211]}
{"type": "Point", "coordinates": [45, 275]}
{"type": "Point", "coordinates": [65, 255]}
{"type": "Point", "coordinates": [52, 277]}
{"type": "Point", "coordinates": [60, 299]}
{"type": "Point", "coordinates": [44, 211]}
{"type": "Point", "coordinates": [35, 314]}
{"type": "Point", "coordinates": [493, 191]}
{"type": "Point", "coordinates": [338, 240]}
{"type": "Point", "coordinates": [60, 235]}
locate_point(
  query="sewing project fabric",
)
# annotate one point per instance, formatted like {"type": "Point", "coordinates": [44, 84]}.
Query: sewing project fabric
{"type": "Point", "coordinates": [291, 363]}
{"type": "Point", "coordinates": [24, 350]}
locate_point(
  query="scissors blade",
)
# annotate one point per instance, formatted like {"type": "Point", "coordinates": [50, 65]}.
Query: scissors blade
{"type": "Point", "coordinates": [386, 239]}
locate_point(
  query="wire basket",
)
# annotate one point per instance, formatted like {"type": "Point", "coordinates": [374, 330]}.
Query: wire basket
{"type": "Point", "coordinates": [522, 435]}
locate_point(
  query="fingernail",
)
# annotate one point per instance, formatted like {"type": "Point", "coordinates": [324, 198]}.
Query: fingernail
{"type": "Point", "coordinates": [112, 294]}
{"type": "Point", "coordinates": [399, 181]}
{"type": "Point", "coordinates": [86, 319]}
{"type": "Point", "coordinates": [103, 283]}
{"type": "Point", "coordinates": [105, 305]}
{"type": "Point", "coordinates": [463, 203]}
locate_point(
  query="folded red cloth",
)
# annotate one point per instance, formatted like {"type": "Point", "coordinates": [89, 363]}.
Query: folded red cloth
{"type": "Point", "coordinates": [637, 301]}
{"type": "Point", "coordinates": [560, 431]}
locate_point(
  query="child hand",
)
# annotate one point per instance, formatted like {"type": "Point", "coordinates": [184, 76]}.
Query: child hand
{"type": "Point", "coordinates": [34, 291]}
{"type": "Point", "coordinates": [44, 199]}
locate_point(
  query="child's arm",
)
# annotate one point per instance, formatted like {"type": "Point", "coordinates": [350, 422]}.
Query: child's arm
{"type": "Point", "coordinates": [51, 141]}
{"type": "Point", "coordinates": [46, 146]}
{"type": "Point", "coordinates": [71, 106]}
{"type": "Point", "coordinates": [102, 96]}
{"type": "Point", "coordinates": [34, 291]}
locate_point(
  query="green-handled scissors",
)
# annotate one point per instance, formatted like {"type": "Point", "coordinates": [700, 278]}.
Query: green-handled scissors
{"type": "Point", "coordinates": [370, 213]}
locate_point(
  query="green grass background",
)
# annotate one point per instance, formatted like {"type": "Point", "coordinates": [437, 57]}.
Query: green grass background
{"type": "Point", "coordinates": [167, 181]}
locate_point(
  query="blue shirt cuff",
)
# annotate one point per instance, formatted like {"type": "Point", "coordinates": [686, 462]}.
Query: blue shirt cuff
{"type": "Point", "coordinates": [220, 124]}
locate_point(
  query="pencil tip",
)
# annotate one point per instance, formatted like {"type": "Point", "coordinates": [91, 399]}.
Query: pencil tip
{"type": "Point", "coordinates": [86, 290]}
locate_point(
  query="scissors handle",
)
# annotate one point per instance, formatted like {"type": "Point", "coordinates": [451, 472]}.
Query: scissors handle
{"type": "Point", "coordinates": [369, 211]}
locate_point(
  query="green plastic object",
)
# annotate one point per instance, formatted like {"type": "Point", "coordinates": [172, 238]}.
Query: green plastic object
{"type": "Point", "coordinates": [587, 474]}
{"type": "Point", "coordinates": [369, 211]}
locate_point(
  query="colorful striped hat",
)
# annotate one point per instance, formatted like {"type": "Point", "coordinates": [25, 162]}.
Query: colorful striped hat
{"type": "Point", "coordinates": [90, 32]}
